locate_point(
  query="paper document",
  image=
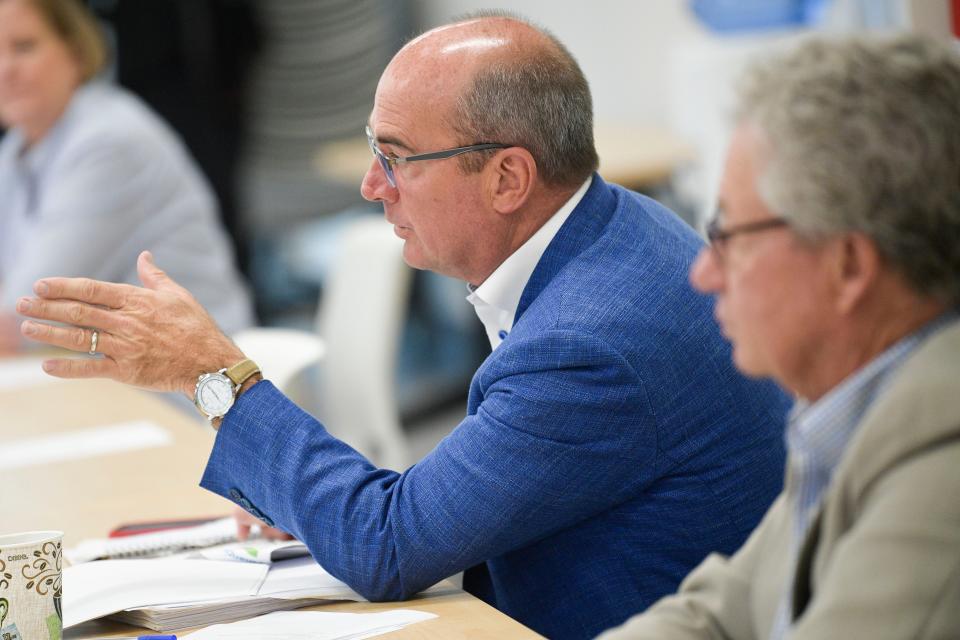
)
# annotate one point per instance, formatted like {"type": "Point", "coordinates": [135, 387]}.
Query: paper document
{"type": "Point", "coordinates": [304, 578]}
{"type": "Point", "coordinates": [289, 584]}
{"type": "Point", "coordinates": [96, 589]}
{"type": "Point", "coordinates": [313, 625]}
{"type": "Point", "coordinates": [20, 373]}
{"type": "Point", "coordinates": [170, 617]}
{"type": "Point", "coordinates": [84, 443]}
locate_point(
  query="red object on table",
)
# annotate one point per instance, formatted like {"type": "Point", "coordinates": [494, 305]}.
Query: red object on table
{"type": "Point", "coordinates": [137, 528]}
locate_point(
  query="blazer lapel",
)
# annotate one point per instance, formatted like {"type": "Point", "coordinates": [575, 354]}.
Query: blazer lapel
{"type": "Point", "coordinates": [803, 571]}
{"type": "Point", "coordinates": [580, 230]}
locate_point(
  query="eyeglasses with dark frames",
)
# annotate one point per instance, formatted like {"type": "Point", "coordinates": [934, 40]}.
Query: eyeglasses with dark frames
{"type": "Point", "coordinates": [718, 236]}
{"type": "Point", "coordinates": [388, 162]}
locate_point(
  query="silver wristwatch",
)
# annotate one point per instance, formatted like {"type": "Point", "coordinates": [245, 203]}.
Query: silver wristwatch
{"type": "Point", "coordinates": [216, 392]}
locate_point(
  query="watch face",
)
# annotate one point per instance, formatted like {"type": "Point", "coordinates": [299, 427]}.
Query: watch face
{"type": "Point", "coordinates": [215, 394]}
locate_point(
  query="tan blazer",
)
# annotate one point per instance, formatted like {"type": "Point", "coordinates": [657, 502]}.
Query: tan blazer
{"type": "Point", "coordinates": [882, 557]}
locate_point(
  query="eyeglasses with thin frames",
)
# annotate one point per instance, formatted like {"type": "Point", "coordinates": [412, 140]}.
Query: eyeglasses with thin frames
{"type": "Point", "coordinates": [718, 236]}
{"type": "Point", "coordinates": [388, 162]}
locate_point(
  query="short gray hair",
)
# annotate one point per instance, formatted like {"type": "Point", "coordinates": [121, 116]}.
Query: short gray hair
{"type": "Point", "coordinates": [538, 100]}
{"type": "Point", "coordinates": [865, 136]}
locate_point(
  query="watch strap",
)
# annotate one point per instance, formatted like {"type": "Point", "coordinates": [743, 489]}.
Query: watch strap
{"type": "Point", "coordinates": [241, 372]}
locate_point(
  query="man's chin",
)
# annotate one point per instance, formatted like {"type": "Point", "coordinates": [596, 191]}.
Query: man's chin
{"type": "Point", "coordinates": [412, 257]}
{"type": "Point", "coordinates": [746, 364]}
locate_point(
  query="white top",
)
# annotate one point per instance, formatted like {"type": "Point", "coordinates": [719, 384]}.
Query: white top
{"type": "Point", "coordinates": [497, 298]}
{"type": "Point", "coordinates": [109, 180]}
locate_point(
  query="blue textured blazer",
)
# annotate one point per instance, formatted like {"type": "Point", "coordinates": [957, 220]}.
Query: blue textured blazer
{"type": "Point", "coordinates": [608, 445]}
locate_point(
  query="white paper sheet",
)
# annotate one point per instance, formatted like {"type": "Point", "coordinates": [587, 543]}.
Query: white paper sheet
{"type": "Point", "coordinates": [20, 373]}
{"type": "Point", "coordinates": [96, 589]}
{"type": "Point", "coordinates": [84, 443]}
{"type": "Point", "coordinates": [313, 625]}
{"type": "Point", "coordinates": [304, 578]}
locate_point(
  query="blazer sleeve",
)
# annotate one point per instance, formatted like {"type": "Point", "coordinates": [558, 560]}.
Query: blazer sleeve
{"type": "Point", "coordinates": [563, 432]}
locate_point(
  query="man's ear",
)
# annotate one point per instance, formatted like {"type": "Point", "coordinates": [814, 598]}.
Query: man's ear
{"type": "Point", "coordinates": [857, 266]}
{"type": "Point", "coordinates": [512, 175]}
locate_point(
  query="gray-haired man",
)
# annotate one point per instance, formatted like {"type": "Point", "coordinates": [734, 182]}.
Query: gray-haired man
{"type": "Point", "coordinates": [836, 265]}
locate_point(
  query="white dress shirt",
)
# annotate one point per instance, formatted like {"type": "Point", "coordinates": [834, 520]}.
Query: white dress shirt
{"type": "Point", "coordinates": [497, 298]}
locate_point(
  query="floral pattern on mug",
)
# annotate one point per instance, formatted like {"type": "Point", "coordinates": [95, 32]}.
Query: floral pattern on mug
{"type": "Point", "coordinates": [5, 576]}
{"type": "Point", "coordinates": [44, 573]}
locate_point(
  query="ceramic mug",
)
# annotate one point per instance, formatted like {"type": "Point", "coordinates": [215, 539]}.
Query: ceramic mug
{"type": "Point", "coordinates": [31, 586]}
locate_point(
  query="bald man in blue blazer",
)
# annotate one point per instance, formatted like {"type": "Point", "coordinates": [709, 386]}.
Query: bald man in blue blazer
{"type": "Point", "coordinates": [608, 446]}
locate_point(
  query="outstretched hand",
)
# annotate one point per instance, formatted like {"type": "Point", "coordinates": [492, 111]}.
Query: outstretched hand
{"type": "Point", "coordinates": [156, 337]}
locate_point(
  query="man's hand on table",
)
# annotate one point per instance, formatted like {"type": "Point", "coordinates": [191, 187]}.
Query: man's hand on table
{"type": "Point", "coordinates": [156, 337]}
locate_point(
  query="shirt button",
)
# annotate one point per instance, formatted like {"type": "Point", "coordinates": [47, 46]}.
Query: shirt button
{"type": "Point", "coordinates": [503, 334]}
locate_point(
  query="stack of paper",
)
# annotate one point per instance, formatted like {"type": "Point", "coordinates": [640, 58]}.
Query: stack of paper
{"type": "Point", "coordinates": [289, 584]}
{"type": "Point", "coordinates": [169, 617]}
{"type": "Point", "coordinates": [96, 589]}
{"type": "Point", "coordinates": [200, 588]}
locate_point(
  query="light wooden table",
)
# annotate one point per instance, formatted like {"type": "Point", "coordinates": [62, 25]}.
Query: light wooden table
{"type": "Point", "coordinates": [633, 156]}
{"type": "Point", "coordinates": [87, 497]}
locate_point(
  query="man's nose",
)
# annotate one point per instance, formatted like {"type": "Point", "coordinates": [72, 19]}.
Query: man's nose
{"type": "Point", "coordinates": [706, 273]}
{"type": "Point", "coordinates": [375, 186]}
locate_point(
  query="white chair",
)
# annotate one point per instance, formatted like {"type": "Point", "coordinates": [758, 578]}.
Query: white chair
{"type": "Point", "coordinates": [365, 300]}
{"type": "Point", "coordinates": [288, 358]}
{"type": "Point", "coordinates": [345, 374]}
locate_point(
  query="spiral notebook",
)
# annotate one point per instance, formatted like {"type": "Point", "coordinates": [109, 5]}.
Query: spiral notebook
{"type": "Point", "coordinates": [186, 539]}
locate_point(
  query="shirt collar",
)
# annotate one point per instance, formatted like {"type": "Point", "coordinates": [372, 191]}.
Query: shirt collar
{"type": "Point", "coordinates": [497, 298]}
{"type": "Point", "coordinates": [821, 430]}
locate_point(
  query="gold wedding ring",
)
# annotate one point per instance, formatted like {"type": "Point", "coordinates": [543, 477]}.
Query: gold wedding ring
{"type": "Point", "coordinates": [94, 338]}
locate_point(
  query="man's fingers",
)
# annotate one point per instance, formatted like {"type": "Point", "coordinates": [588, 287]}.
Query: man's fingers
{"type": "Point", "coordinates": [244, 522]}
{"type": "Point", "coordinates": [81, 368]}
{"type": "Point", "coordinates": [107, 294]}
{"type": "Point", "coordinates": [272, 533]}
{"type": "Point", "coordinates": [152, 276]}
{"type": "Point", "coordinates": [73, 338]}
{"type": "Point", "coordinates": [67, 312]}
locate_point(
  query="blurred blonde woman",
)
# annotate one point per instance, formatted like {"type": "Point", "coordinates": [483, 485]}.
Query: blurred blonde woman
{"type": "Point", "coordinates": [90, 176]}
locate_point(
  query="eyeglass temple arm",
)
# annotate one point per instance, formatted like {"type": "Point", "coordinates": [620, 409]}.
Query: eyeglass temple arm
{"type": "Point", "coordinates": [449, 153]}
